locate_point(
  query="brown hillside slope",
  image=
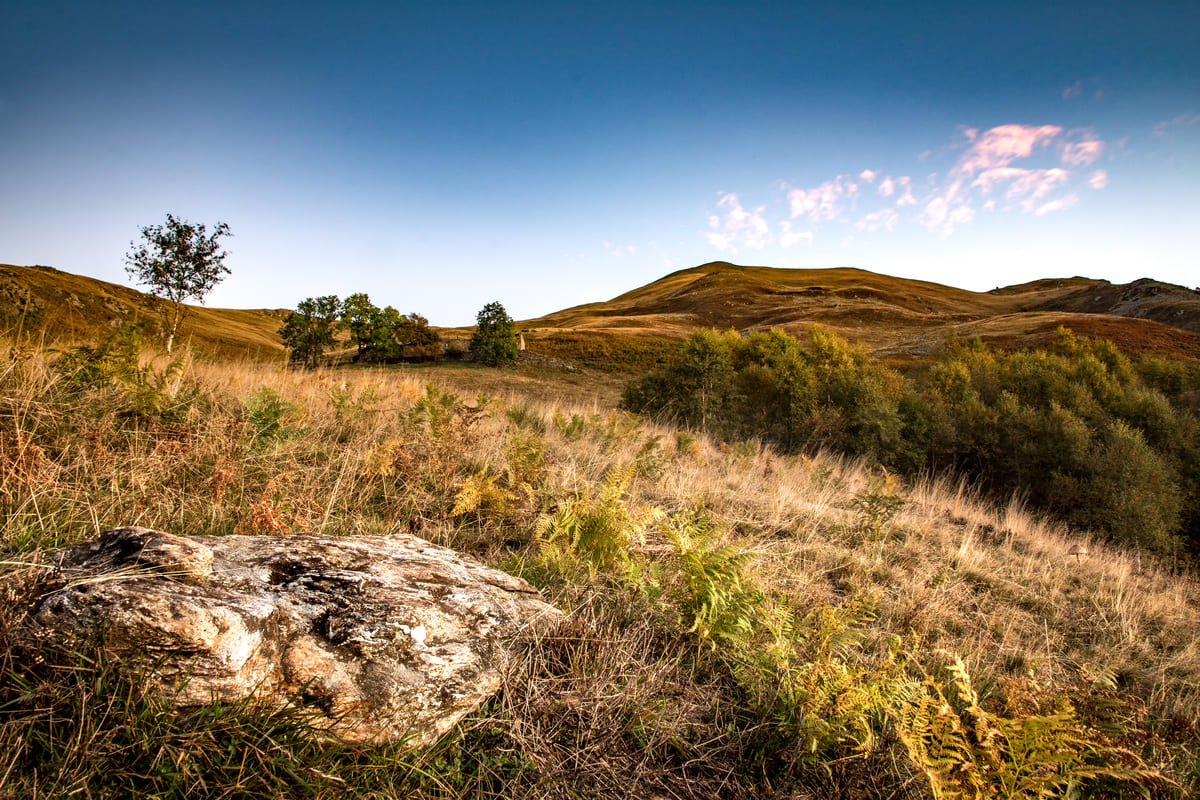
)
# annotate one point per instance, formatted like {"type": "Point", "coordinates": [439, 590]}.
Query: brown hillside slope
{"type": "Point", "coordinates": [892, 316]}
{"type": "Point", "coordinates": [897, 318]}
{"type": "Point", "coordinates": [66, 308]}
{"type": "Point", "coordinates": [1143, 299]}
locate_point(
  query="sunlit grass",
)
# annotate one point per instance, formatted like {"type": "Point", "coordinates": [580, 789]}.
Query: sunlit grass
{"type": "Point", "coordinates": [624, 700]}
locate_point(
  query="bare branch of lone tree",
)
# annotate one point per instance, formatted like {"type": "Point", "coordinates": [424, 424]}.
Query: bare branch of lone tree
{"type": "Point", "coordinates": [178, 262]}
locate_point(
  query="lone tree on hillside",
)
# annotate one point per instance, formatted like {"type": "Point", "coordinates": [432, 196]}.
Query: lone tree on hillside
{"type": "Point", "coordinates": [310, 328]}
{"type": "Point", "coordinates": [495, 338]}
{"type": "Point", "coordinates": [178, 262]}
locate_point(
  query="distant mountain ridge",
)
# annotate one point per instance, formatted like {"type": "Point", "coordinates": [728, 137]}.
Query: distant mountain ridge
{"type": "Point", "coordinates": [895, 318]}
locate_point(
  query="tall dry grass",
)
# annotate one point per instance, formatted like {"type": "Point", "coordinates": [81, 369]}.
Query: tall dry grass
{"type": "Point", "coordinates": [623, 701]}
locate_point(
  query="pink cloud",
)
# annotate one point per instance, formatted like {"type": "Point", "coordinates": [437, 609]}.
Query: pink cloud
{"type": "Point", "coordinates": [1031, 188]}
{"type": "Point", "coordinates": [883, 218]}
{"type": "Point", "coordinates": [1060, 204]}
{"type": "Point", "coordinates": [1082, 153]}
{"type": "Point", "coordinates": [962, 215]}
{"type": "Point", "coordinates": [1025, 186]}
{"type": "Point", "coordinates": [1074, 90]}
{"type": "Point", "coordinates": [789, 237]}
{"type": "Point", "coordinates": [988, 179]}
{"type": "Point", "coordinates": [1004, 144]}
{"type": "Point", "coordinates": [750, 227]}
{"type": "Point", "coordinates": [936, 213]}
{"type": "Point", "coordinates": [825, 202]}
{"type": "Point", "coordinates": [985, 164]}
{"type": "Point", "coordinates": [1026, 169]}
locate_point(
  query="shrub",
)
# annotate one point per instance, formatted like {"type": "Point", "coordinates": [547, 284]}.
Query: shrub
{"type": "Point", "coordinates": [494, 341]}
{"type": "Point", "coordinates": [696, 388]}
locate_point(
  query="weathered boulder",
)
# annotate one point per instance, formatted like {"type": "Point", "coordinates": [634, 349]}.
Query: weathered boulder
{"type": "Point", "coordinates": [391, 637]}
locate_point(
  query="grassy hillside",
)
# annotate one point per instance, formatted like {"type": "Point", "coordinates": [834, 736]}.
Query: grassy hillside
{"type": "Point", "coordinates": [740, 624]}
{"type": "Point", "coordinates": [895, 318]}
{"type": "Point", "coordinates": [54, 306]}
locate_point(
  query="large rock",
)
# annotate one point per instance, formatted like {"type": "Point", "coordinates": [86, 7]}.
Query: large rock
{"type": "Point", "coordinates": [391, 637]}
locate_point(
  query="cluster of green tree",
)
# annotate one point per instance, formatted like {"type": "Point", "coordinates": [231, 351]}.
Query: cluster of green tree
{"type": "Point", "coordinates": [386, 334]}
{"type": "Point", "coordinates": [1077, 428]}
{"type": "Point", "coordinates": [379, 334]}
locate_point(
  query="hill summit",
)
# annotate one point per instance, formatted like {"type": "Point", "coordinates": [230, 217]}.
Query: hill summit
{"type": "Point", "coordinates": [895, 316]}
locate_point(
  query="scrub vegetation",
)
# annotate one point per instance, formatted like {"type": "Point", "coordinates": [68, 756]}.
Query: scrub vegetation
{"type": "Point", "coordinates": [745, 617]}
{"type": "Point", "coordinates": [1077, 428]}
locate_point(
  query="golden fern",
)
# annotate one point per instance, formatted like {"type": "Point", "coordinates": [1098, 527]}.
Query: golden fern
{"type": "Point", "coordinates": [968, 752]}
{"type": "Point", "coordinates": [600, 529]}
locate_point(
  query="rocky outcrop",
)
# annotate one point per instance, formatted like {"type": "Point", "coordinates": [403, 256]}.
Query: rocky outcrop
{"type": "Point", "coordinates": [390, 637]}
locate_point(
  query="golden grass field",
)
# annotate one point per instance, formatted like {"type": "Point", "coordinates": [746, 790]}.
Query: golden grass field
{"type": "Point", "coordinates": [624, 701]}
{"type": "Point", "coordinates": [842, 595]}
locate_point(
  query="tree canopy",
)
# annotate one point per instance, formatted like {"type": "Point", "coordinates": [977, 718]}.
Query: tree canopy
{"type": "Point", "coordinates": [310, 329]}
{"type": "Point", "coordinates": [494, 341]}
{"type": "Point", "coordinates": [178, 261]}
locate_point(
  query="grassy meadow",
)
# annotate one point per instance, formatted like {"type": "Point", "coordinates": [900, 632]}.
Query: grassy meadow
{"type": "Point", "coordinates": [740, 623]}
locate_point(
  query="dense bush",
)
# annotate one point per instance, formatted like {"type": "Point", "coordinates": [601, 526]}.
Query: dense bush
{"type": "Point", "coordinates": [768, 386]}
{"type": "Point", "coordinates": [1077, 428]}
{"type": "Point", "coordinates": [494, 341]}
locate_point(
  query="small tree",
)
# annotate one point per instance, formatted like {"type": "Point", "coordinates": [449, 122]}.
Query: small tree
{"type": "Point", "coordinates": [179, 262]}
{"type": "Point", "coordinates": [495, 338]}
{"type": "Point", "coordinates": [310, 328]}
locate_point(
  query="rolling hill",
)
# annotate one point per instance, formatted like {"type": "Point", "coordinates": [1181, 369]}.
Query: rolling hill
{"type": "Point", "coordinates": [64, 308]}
{"type": "Point", "coordinates": [894, 318]}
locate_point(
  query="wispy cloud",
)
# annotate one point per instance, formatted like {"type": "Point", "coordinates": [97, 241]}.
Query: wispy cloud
{"type": "Point", "coordinates": [789, 237]}
{"type": "Point", "coordinates": [1022, 169]}
{"type": "Point", "coordinates": [1168, 127]}
{"type": "Point", "coordinates": [886, 218]}
{"type": "Point", "coordinates": [988, 162]}
{"type": "Point", "coordinates": [737, 226]}
{"type": "Point", "coordinates": [1002, 145]}
{"type": "Point", "coordinates": [1060, 204]}
{"type": "Point", "coordinates": [828, 201]}
{"type": "Point", "coordinates": [617, 251]}
{"type": "Point", "coordinates": [1084, 151]}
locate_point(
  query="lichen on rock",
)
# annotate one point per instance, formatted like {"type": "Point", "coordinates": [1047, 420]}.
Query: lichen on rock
{"type": "Point", "coordinates": [388, 637]}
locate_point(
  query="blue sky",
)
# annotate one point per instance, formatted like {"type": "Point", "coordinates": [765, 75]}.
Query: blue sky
{"type": "Point", "coordinates": [544, 154]}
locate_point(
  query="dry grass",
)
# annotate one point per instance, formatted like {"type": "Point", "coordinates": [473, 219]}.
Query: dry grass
{"type": "Point", "coordinates": [622, 701]}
